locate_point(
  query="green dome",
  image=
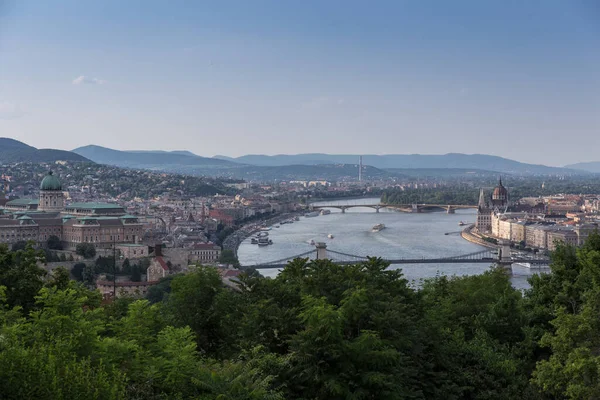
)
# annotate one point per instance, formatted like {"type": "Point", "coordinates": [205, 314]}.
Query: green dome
{"type": "Point", "coordinates": [50, 182]}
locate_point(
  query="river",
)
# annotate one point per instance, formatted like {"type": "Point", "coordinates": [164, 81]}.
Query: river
{"type": "Point", "coordinates": [407, 235]}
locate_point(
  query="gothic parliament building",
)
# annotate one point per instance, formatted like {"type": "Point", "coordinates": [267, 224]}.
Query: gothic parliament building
{"type": "Point", "coordinates": [497, 204]}
{"type": "Point", "coordinates": [101, 224]}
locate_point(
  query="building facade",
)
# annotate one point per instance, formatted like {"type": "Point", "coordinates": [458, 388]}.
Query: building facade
{"type": "Point", "coordinates": [101, 224]}
{"type": "Point", "coordinates": [497, 203]}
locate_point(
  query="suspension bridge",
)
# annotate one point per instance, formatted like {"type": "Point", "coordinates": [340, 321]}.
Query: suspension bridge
{"type": "Point", "coordinates": [501, 257]}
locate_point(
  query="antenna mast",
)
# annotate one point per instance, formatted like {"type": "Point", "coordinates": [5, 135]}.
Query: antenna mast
{"type": "Point", "coordinates": [360, 168]}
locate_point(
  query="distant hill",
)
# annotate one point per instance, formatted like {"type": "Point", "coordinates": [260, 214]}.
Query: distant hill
{"type": "Point", "coordinates": [12, 151]}
{"type": "Point", "coordinates": [593, 166]}
{"type": "Point", "coordinates": [150, 159]}
{"type": "Point", "coordinates": [451, 160]}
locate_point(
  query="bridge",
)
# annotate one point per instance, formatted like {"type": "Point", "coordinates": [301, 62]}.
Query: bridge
{"type": "Point", "coordinates": [413, 207]}
{"type": "Point", "coordinates": [501, 257]}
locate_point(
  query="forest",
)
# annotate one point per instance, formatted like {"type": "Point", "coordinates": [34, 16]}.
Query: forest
{"type": "Point", "coordinates": [316, 331]}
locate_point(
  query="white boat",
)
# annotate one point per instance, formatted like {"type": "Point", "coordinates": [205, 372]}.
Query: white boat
{"type": "Point", "coordinates": [311, 214]}
{"type": "Point", "coordinates": [262, 234]}
{"type": "Point", "coordinates": [325, 212]}
{"type": "Point", "coordinates": [461, 223]}
{"type": "Point", "coordinates": [330, 236]}
{"type": "Point", "coordinates": [523, 264]}
{"type": "Point", "coordinates": [263, 241]}
{"type": "Point", "coordinates": [312, 242]}
{"type": "Point", "coordinates": [265, 228]}
{"type": "Point", "coordinates": [378, 227]}
{"type": "Point", "coordinates": [296, 218]}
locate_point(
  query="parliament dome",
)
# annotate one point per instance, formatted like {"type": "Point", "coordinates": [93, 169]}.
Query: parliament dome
{"type": "Point", "coordinates": [50, 182]}
{"type": "Point", "coordinates": [500, 192]}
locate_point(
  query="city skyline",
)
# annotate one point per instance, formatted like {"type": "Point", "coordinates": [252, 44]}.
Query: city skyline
{"type": "Point", "coordinates": [507, 79]}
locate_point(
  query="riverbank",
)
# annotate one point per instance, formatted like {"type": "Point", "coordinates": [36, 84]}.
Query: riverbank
{"type": "Point", "coordinates": [469, 236]}
{"type": "Point", "coordinates": [233, 241]}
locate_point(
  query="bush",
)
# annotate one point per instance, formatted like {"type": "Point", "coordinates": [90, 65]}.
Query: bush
{"type": "Point", "coordinates": [54, 243]}
{"type": "Point", "coordinates": [86, 250]}
{"type": "Point", "coordinates": [77, 271]}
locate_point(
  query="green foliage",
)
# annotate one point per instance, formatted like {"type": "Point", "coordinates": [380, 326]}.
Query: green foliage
{"type": "Point", "coordinates": [54, 243]}
{"type": "Point", "coordinates": [136, 273]}
{"type": "Point", "coordinates": [160, 291]}
{"type": "Point", "coordinates": [228, 257]}
{"type": "Point", "coordinates": [21, 276]}
{"type": "Point", "coordinates": [316, 331]}
{"type": "Point", "coordinates": [78, 270]}
{"type": "Point", "coordinates": [86, 250]}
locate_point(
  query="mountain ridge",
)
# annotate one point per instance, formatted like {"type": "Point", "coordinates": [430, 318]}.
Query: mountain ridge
{"type": "Point", "coordinates": [590, 166]}
{"type": "Point", "coordinates": [145, 159]}
{"type": "Point", "coordinates": [449, 160]}
{"type": "Point", "coordinates": [13, 151]}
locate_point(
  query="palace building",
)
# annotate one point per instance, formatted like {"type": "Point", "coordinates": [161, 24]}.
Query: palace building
{"type": "Point", "coordinates": [101, 224]}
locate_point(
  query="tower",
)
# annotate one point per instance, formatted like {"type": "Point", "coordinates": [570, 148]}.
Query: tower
{"type": "Point", "coordinates": [360, 168]}
{"type": "Point", "coordinates": [51, 195]}
{"type": "Point", "coordinates": [481, 203]}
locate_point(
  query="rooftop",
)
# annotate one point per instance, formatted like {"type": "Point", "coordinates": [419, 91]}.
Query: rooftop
{"type": "Point", "coordinates": [93, 205]}
{"type": "Point", "coordinates": [22, 202]}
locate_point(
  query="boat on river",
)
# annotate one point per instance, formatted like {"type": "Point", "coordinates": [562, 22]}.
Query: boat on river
{"type": "Point", "coordinates": [330, 236]}
{"type": "Point", "coordinates": [325, 212]}
{"type": "Point", "coordinates": [378, 227]}
{"type": "Point", "coordinates": [461, 223]}
{"type": "Point", "coordinates": [262, 234]}
{"type": "Point", "coordinates": [311, 214]}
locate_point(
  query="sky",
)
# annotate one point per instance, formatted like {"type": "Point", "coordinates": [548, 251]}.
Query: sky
{"type": "Point", "coordinates": [518, 79]}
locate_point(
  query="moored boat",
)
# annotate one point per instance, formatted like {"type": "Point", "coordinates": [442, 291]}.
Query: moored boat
{"type": "Point", "coordinates": [311, 214]}
{"type": "Point", "coordinates": [330, 236]}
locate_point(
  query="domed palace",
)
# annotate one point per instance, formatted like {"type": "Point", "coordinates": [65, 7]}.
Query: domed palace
{"type": "Point", "coordinates": [51, 194]}
{"type": "Point", "coordinates": [497, 203]}
{"type": "Point", "coordinates": [101, 224]}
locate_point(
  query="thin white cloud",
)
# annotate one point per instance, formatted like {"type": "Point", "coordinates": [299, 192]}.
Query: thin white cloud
{"type": "Point", "coordinates": [85, 80]}
{"type": "Point", "coordinates": [10, 110]}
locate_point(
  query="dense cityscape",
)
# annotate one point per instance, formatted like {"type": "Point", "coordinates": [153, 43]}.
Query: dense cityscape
{"type": "Point", "coordinates": [299, 200]}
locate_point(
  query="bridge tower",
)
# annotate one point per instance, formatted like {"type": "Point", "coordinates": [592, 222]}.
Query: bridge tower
{"type": "Point", "coordinates": [321, 250]}
{"type": "Point", "coordinates": [343, 209]}
{"type": "Point", "coordinates": [450, 210]}
{"type": "Point", "coordinates": [504, 260]}
{"type": "Point", "coordinates": [377, 208]}
{"type": "Point", "coordinates": [415, 208]}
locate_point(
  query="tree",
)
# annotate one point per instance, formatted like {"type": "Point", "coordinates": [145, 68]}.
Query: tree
{"type": "Point", "coordinates": [86, 250]}
{"type": "Point", "coordinates": [78, 270]}
{"type": "Point", "coordinates": [228, 257]}
{"type": "Point", "coordinates": [126, 267]}
{"type": "Point", "coordinates": [19, 245]}
{"type": "Point", "coordinates": [54, 243]}
{"type": "Point", "coordinates": [566, 305]}
{"type": "Point", "coordinates": [160, 291]}
{"type": "Point", "coordinates": [60, 279]}
{"type": "Point", "coordinates": [136, 273]}
{"type": "Point", "coordinates": [20, 274]}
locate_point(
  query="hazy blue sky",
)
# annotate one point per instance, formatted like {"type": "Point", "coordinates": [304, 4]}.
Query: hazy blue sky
{"type": "Point", "coordinates": [514, 78]}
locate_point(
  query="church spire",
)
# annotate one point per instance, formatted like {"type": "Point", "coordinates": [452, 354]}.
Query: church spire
{"type": "Point", "coordinates": [500, 180]}
{"type": "Point", "coordinates": [481, 198]}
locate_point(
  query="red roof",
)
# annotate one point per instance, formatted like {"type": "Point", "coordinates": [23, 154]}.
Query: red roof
{"type": "Point", "coordinates": [162, 263]}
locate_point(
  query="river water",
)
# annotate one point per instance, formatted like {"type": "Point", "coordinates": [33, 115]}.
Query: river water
{"type": "Point", "coordinates": [407, 235]}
